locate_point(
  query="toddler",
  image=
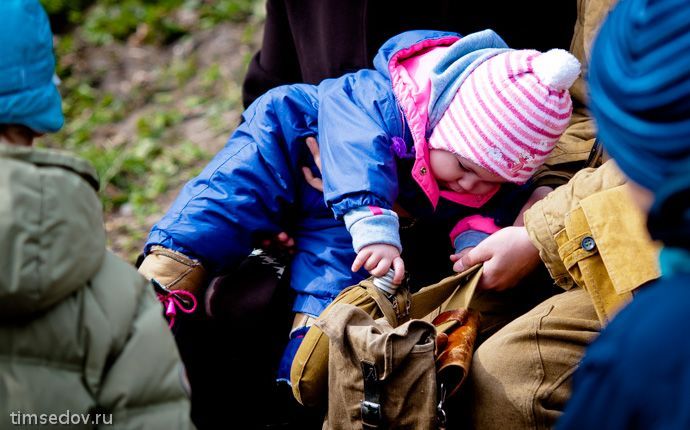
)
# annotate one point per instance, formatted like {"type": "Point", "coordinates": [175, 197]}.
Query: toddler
{"type": "Point", "coordinates": [81, 332]}
{"type": "Point", "coordinates": [433, 131]}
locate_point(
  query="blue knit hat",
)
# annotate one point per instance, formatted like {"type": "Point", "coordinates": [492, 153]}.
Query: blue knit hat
{"type": "Point", "coordinates": [28, 94]}
{"type": "Point", "coordinates": [639, 80]}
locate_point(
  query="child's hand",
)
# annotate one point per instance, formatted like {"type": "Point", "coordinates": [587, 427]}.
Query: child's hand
{"type": "Point", "coordinates": [378, 258]}
{"type": "Point", "coordinates": [316, 183]}
{"type": "Point", "coordinates": [280, 243]}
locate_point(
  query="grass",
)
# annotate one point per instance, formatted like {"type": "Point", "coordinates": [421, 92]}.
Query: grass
{"type": "Point", "coordinates": [135, 137]}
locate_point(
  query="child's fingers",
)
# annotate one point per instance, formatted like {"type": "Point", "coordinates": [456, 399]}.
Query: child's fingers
{"type": "Point", "coordinates": [312, 180]}
{"type": "Point", "coordinates": [308, 175]}
{"type": "Point", "coordinates": [282, 236]}
{"type": "Point", "coordinates": [372, 262]}
{"type": "Point", "coordinates": [359, 260]}
{"type": "Point", "coordinates": [458, 266]}
{"type": "Point", "coordinates": [381, 268]}
{"type": "Point", "coordinates": [399, 267]}
{"type": "Point", "coordinates": [313, 146]}
{"type": "Point", "coordinates": [455, 257]}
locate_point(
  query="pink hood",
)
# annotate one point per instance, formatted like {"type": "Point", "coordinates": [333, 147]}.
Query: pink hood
{"type": "Point", "coordinates": [410, 71]}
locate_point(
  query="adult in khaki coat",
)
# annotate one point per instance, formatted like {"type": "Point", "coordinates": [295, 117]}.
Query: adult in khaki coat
{"type": "Point", "coordinates": [593, 241]}
{"type": "Point", "coordinates": [81, 332]}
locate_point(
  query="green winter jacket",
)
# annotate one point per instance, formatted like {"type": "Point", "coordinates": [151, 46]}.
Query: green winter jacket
{"type": "Point", "coordinates": [80, 330]}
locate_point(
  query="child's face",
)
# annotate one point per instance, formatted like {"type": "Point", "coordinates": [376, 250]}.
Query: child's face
{"type": "Point", "coordinates": [456, 173]}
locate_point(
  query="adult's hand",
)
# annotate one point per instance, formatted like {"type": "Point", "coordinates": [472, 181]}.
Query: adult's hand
{"type": "Point", "coordinates": [312, 180]}
{"type": "Point", "coordinates": [508, 256]}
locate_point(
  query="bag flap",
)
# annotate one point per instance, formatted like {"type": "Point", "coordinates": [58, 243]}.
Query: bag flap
{"type": "Point", "coordinates": [453, 292]}
{"type": "Point", "coordinates": [358, 337]}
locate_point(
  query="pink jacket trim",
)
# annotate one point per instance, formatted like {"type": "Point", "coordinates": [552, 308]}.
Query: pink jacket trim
{"type": "Point", "coordinates": [409, 70]}
{"type": "Point", "coordinates": [476, 223]}
{"type": "Point", "coordinates": [375, 210]}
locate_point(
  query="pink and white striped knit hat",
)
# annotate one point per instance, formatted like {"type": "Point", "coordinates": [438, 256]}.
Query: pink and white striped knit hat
{"type": "Point", "coordinates": [509, 113]}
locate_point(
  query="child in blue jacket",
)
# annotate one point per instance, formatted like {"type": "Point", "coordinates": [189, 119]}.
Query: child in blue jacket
{"type": "Point", "coordinates": [636, 374]}
{"type": "Point", "coordinates": [433, 131]}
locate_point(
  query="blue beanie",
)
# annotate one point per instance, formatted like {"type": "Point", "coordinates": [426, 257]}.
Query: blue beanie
{"type": "Point", "coordinates": [28, 95]}
{"type": "Point", "coordinates": [639, 80]}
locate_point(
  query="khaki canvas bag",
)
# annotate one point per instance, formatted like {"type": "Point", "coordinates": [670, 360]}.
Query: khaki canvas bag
{"type": "Point", "coordinates": [441, 303]}
{"type": "Point", "coordinates": [379, 376]}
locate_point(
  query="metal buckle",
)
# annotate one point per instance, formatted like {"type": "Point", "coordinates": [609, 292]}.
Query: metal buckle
{"type": "Point", "coordinates": [440, 411]}
{"type": "Point", "coordinates": [371, 405]}
{"type": "Point", "coordinates": [371, 413]}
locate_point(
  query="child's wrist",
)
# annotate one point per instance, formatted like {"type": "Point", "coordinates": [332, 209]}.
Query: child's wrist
{"type": "Point", "coordinates": [372, 225]}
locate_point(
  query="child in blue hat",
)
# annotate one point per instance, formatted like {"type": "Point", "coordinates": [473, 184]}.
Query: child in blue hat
{"type": "Point", "coordinates": [82, 338]}
{"type": "Point", "coordinates": [637, 373]}
{"type": "Point", "coordinates": [29, 99]}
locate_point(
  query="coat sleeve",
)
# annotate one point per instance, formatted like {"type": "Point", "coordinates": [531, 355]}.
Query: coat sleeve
{"type": "Point", "coordinates": [358, 118]}
{"type": "Point", "coordinates": [143, 386]}
{"type": "Point", "coordinates": [547, 217]}
{"type": "Point", "coordinates": [471, 230]}
{"type": "Point", "coordinates": [573, 148]}
{"type": "Point", "coordinates": [248, 189]}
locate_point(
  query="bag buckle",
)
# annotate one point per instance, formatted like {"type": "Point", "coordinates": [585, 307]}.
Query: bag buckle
{"type": "Point", "coordinates": [370, 406]}
{"type": "Point", "coordinates": [441, 417]}
{"type": "Point", "coordinates": [371, 414]}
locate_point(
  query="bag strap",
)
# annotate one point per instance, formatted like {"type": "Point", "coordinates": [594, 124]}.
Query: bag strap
{"type": "Point", "coordinates": [395, 308]}
{"type": "Point", "coordinates": [456, 291]}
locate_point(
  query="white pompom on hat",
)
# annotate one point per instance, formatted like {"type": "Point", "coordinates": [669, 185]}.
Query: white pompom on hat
{"type": "Point", "coordinates": [557, 69]}
{"type": "Point", "coordinates": [510, 111]}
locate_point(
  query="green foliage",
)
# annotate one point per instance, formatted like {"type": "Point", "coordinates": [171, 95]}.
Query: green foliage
{"type": "Point", "coordinates": [54, 7]}
{"type": "Point", "coordinates": [159, 21]}
{"type": "Point", "coordinates": [135, 137]}
{"type": "Point", "coordinates": [108, 21]}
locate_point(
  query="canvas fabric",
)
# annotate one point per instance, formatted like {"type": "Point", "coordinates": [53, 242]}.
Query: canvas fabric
{"type": "Point", "coordinates": [395, 364]}
{"type": "Point", "coordinates": [521, 376]}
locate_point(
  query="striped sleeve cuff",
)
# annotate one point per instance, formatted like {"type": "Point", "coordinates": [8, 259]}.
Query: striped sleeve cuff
{"type": "Point", "coordinates": [371, 224]}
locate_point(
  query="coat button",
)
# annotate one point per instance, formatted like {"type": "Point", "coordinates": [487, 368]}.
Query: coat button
{"type": "Point", "coordinates": [588, 243]}
{"type": "Point", "coordinates": [422, 170]}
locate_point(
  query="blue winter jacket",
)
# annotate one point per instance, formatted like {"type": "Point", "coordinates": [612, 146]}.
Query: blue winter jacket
{"type": "Point", "coordinates": [254, 186]}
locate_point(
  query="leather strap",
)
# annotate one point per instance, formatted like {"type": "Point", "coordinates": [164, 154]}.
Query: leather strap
{"type": "Point", "coordinates": [371, 405]}
{"type": "Point", "coordinates": [449, 319]}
